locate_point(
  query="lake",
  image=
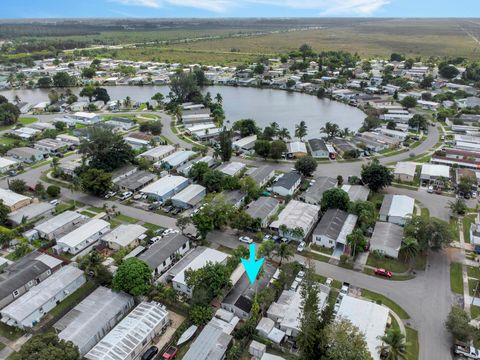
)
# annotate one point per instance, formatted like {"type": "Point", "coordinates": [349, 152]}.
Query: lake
{"type": "Point", "coordinates": [263, 105]}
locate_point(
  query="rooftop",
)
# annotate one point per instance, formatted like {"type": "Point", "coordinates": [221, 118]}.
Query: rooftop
{"type": "Point", "coordinates": [288, 180]}
{"type": "Point", "coordinates": [321, 184]}
{"type": "Point", "coordinates": [231, 168]}
{"type": "Point", "coordinates": [159, 151]}
{"type": "Point", "coordinates": [387, 234]}
{"type": "Point", "coordinates": [82, 233]}
{"type": "Point", "coordinates": [11, 198]}
{"type": "Point", "coordinates": [297, 214]}
{"type": "Point", "coordinates": [59, 221]}
{"type": "Point", "coordinates": [296, 147]}
{"type": "Point", "coordinates": [189, 193]}
{"type": "Point", "coordinates": [30, 212]}
{"type": "Point", "coordinates": [262, 207]}
{"type": "Point", "coordinates": [262, 173]}
{"type": "Point", "coordinates": [356, 192]}
{"type": "Point", "coordinates": [124, 234]}
{"type": "Point", "coordinates": [405, 167]}
{"type": "Point", "coordinates": [331, 223]}
{"type": "Point", "coordinates": [317, 145]}
{"type": "Point", "coordinates": [178, 157]}
{"type": "Point", "coordinates": [397, 205]}
{"type": "Point", "coordinates": [434, 170]}
{"type": "Point", "coordinates": [164, 185]}
{"type": "Point", "coordinates": [163, 249]}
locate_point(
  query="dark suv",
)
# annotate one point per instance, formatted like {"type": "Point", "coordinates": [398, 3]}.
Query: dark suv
{"type": "Point", "coordinates": [150, 353]}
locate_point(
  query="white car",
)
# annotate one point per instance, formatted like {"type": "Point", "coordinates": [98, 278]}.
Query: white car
{"type": "Point", "coordinates": [301, 274]}
{"type": "Point", "coordinates": [125, 195]}
{"type": "Point", "coordinates": [154, 240]}
{"type": "Point", "coordinates": [301, 246]}
{"type": "Point", "coordinates": [245, 239]}
{"type": "Point", "coordinates": [110, 194]}
{"type": "Point", "coordinates": [344, 290]}
{"type": "Point", "coordinates": [329, 282]}
{"type": "Point", "coordinates": [54, 202]}
{"type": "Point", "coordinates": [138, 197]}
{"type": "Point", "coordinates": [267, 237]}
{"type": "Point", "coordinates": [430, 189]}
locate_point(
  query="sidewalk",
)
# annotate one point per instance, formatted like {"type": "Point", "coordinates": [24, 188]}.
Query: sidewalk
{"type": "Point", "coordinates": [467, 300]}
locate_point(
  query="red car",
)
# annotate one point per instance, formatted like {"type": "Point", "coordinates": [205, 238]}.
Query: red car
{"type": "Point", "coordinates": [170, 353]}
{"type": "Point", "coordinates": [383, 272]}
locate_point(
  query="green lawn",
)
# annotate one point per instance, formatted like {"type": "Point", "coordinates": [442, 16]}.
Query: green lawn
{"type": "Point", "coordinates": [27, 120]}
{"type": "Point", "coordinates": [393, 265]}
{"type": "Point", "coordinates": [467, 221]}
{"type": "Point", "coordinates": [10, 332]}
{"type": "Point", "coordinates": [421, 262]}
{"type": "Point", "coordinates": [73, 299]}
{"type": "Point", "coordinates": [126, 219]}
{"type": "Point", "coordinates": [7, 140]}
{"type": "Point", "coordinates": [315, 256]}
{"type": "Point", "coordinates": [153, 227]}
{"type": "Point", "coordinates": [425, 212]}
{"type": "Point", "coordinates": [454, 227]}
{"type": "Point", "coordinates": [472, 286]}
{"type": "Point", "coordinates": [412, 344]}
{"type": "Point", "coordinates": [95, 210]}
{"type": "Point", "coordinates": [380, 299]}
{"type": "Point", "coordinates": [322, 249]}
{"type": "Point", "coordinates": [474, 311]}
{"type": "Point", "coordinates": [2, 345]}
{"type": "Point", "coordinates": [473, 271]}
{"type": "Point", "coordinates": [456, 280]}
{"type": "Point", "coordinates": [88, 213]}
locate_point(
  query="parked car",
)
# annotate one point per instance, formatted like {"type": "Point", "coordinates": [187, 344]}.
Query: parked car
{"type": "Point", "coordinates": [138, 197]}
{"type": "Point", "coordinates": [344, 289]}
{"type": "Point", "coordinates": [430, 189]}
{"type": "Point", "coordinates": [245, 239]}
{"type": "Point", "coordinates": [383, 272]}
{"type": "Point", "coordinates": [54, 202]}
{"type": "Point", "coordinates": [267, 237]}
{"type": "Point", "coordinates": [125, 195]}
{"type": "Point", "coordinates": [466, 351]}
{"type": "Point", "coordinates": [167, 209]}
{"type": "Point", "coordinates": [110, 194]}
{"type": "Point", "coordinates": [150, 353]}
{"type": "Point", "coordinates": [477, 249]}
{"type": "Point", "coordinates": [329, 282]}
{"type": "Point", "coordinates": [301, 246]}
{"type": "Point", "coordinates": [154, 240]}
{"type": "Point", "coordinates": [170, 353]}
{"type": "Point", "coordinates": [176, 211]}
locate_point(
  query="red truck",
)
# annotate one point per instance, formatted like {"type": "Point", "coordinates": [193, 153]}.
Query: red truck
{"type": "Point", "coordinates": [170, 353]}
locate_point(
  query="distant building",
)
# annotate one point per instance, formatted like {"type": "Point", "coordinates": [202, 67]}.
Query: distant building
{"type": "Point", "coordinates": [166, 187]}
{"type": "Point", "coordinates": [158, 153]}
{"type": "Point", "coordinates": [318, 148]}
{"type": "Point", "coordinates": [296, 215]}
{"type": "Point", "coordinates": [296, 149]}
{"type": "Point", "coordinates": [176, 159]}
{"type": "Point", "coordinates": [133, 334]}
{"type": "Point", "coordinates": [245, 144]}
{"type": "Point", "coordinates": [135, 181]}
{"type": "Point", "coordinates": [88, 322]}
{"type": "Point", "coordinates": [13, 200]}
{"type": "Point", "coordinates": [27, 311]}
{"type": "Point", "coordinates": [26, 154]}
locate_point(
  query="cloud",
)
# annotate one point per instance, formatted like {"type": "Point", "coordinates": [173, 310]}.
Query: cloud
{"type": "Point", "coordinates": [325, 7]}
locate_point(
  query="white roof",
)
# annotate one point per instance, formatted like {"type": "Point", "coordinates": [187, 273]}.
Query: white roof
{"type": "Point", "coordinates": [369, 317]}
{"type": "Point", "coordinates": [159, 151]}
{"type": "Point", "coordinates": [4, 162]}
{"type": "Point", "coordinates": [187, 194]}
{"type": "Point", "coordinates": [297, 214]}
{"type": "Point", "coordinates": [209, 255]}
{"type": "Point", "coordinates": [164, 185]}
{"type": "Point", "coordinates": [11, 198]}
{"type": "Point", "coordinates": [124, 234]}
{"type": "Point", "coordinates": [406, 168]}
{"type": "Point", "coordinates": [38, 295]}
{"type": "Point", "coordinates": [436, 170]}
{"type": "Point", "coordinates": [231, 168]}
{"type": "Point", "coordinates": [85, 115]}
{"type": "Point", "coordinates": [58, 221]}
{"type": "Point", "coordinates": [245, 141]}
{"type": "Point", "coordinates": [401, 206]}
{"type": "Point", "coordinates": [178, 157]}
{"type": "Point", "coordinates": [297, 147]}
{"type": "Point", "coordinates": [122, 341]}
{"type": "Point", "coordinates": [79, 235]}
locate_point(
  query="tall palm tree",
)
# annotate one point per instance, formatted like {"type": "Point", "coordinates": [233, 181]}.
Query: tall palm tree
{"type": "Point", "coordinates": [345, 132]}
{"type": "Point", "coordinates": [409, 249]}
{"type": "Point", "coordinates": [16, 99]}
{"type": "Point", "coordinates": [276, 128]}
{"type": "Point", "coordinates": [284, 252]}
{"type": "Point", "coordinates": [219, 98]}
{"type": "Point", "coordinates": [284, 134]}
{"type": "Point", "coordinates": [128, 102]}
{"type": "Point", "coordinates": [394, 346]}
{"type": "Point", "coordinates": [301, 130]}
{"type": "Point", "coordinates": [330, 129]}
{"type": "Point", "coordinates": [458, 206]}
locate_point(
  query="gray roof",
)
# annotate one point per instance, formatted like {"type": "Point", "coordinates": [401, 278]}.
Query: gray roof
{"type": "Point", "coordinates": [332, 223]}
{"type": "Point", "coordinates": [211, 344]}
{"type": "Point", "coordinates": [136, 180]}
{"type": "Point", "coordinates": [317, 145]}
{"type": "Point", "coordinates": [356, 192]}
{"type": "Point", "coordinates": [288, 180]}
{"type": "Point", "coordinates": [161, 250]}
{"type": "Point", "coordinates": [234, 196]}
{"type": "Point", "coordinates": [30, 212]}
{"type": "Point", "coordinates": [321, 184]}
{"type": "Point", "coordinates": [88, 319]}
{"type": "Point", "coordinates": [388, 235]}
{"type": "Point", "coordinates": [262, 208]}
{"type": "Point", "coordinates": [24, 270]}
{"type": "Point", "coordinates": [261, 174]}
{"type": "Point", "coordinates": [242, 293]}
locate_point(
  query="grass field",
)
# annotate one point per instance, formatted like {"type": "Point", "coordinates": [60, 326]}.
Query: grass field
{"type": "Point", "coordinates": [378, 298]}
{"type": "Point", "coordinates": [456, 282]}
{"type": "Point", "coordinates": [412, 344]}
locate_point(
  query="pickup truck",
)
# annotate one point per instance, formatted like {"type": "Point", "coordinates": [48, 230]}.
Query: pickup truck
{"type": "Point", "coordinates": [466, 351]}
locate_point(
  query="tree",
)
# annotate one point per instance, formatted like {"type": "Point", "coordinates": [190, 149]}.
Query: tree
{"type": "Point", "coordinates": [409, 102]}
{"type": "Point", "coordinates": [88, 73]}
{"type": "Point", "coordinates": [306, 165]}
{"type": "Point", "coordinates": [158, 97]}
{"type": "Point", "coordinates": [133, 276]}
{"type": "Point", "coordinates": [391, 125]}
{"type": "Point", "coordinates": [357, 241]}
{"type": "Point", "coordinates": [184, 86]}
{"type": "Point", "coordinates": [96, 181]}
{"type": "Point", "coordinates": [225, 141]}
{"type": "Point", "coordinates": [213, 180]}
{"type": "Point", "coordinates": [409, 249]}
{"type": "Point", "coordinates": [284, 252]}
{"type": "Point", "coordinates": [246, 127]}
{"type": "Point", "coordinates": [101, 94]}
{"type": "Point", "coordinates": [448, 71]}
{"type": "Point", "coordinates": [268, 133]}
{"type": "Point", "coordinates": [106, 150]}
{"type": "Point", "coordinates": [267, 248]}
{"type": "Point", "coordinates": [249, 186]}
{"type": "Point", "coordinates": [9, 113]}
{"type": "Point", "coordinates": [198, 170]}
{"type": "Point", "coordinates": [431, 233]}
{"type": "Point", "coordinates": [277, 149]}
{"type": "Point", "coordinates": [366, 212]}
{"type": "Point", "coordinates": [335, 198]}
{"type": "Point", "coordinates": [262, 148]}
{"type": "Point", "coordinates": [393, 345]}
{"type": "Point", "coordinates": [63, 79]}
{"type": "Point", "coordinates": [301, 130]}
{"type": "Point", "coordinates": [458, 206]}
{"type": "Point", "coordinates": [458, 323]}
{"type": "Point", "coordinates": [418, 122]}
{"type": "Point", "coordinates": [48, 346]}
{"type": "Point", "coordinates": [213, 278]}
{"type": "Point", "coordinates": [283, 134]}
{"type": "Point", "coordinates": [153, 127]}
{"type": "Point", "coordinates": [53, 96]}
{"type": "Point", "coordinates": [18, 185]}
{"type": "Point", "coordinates": [200, 315]}
{"type": "Point", "coordinates": [39, 189]}
{"type": "Point", "coordinates": [45, 82]}
{"type": "Point", "coordinates": [466, 183]}
{"type": "Point", "coordinates": [376, 176]}
{"type": "Point", "coordinates": [183, 222]}
{"type": "Point", "coordinates": [370, 122]}
{"type": "Point", "coordinates": [4, 211]}
{"type": "Point", "coordinates": [345, 342]}
{"type": "Point", "coordinates": [259, 69]}
{"type": "Point", "coordinates": [330, 129]}
{"type": "Point", "coordinates": [88, 91]}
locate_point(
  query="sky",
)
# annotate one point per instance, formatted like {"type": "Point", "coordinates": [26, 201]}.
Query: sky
{"type": "Point", "coordinates": [238, 8]}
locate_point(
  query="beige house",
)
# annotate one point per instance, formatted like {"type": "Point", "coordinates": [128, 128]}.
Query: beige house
{"type": "Point", "coordinates": [405, 171]}
{"type": "Point", "coordinates": [13, 200]}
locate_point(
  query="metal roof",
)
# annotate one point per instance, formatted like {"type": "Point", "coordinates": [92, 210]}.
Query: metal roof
{"type": "Point", "coordinates": [397, 205]}
{"type": "Point", "coordinates": [159, 151]}
{"type": "Point", "coordinates": [30, 212]}
{"type": "Point", "coordinates": [178, 157]}
{"type": "Point", "coordinates": [331, 223]}
{"type": "Point", "coordinates": [211, 344]}
{"type": "Point", "coordinates": [11, 198]}
{"type": "Point", "coordinates": [121, 342]}
{"type": "Point", "coordinates": [297, 214]}
{"type": "Point", "coordinates": [163, 249]}
{"type": "Point", "coordinates": [124, 234]}
{"type": "Point", "coordinates": [262, 208]}
{"type": "Point", "coordinates": [387, 235]}
{"type": "Point", "coordinates": [406, 168]}
{"type": "Point", "coordinates": [262, 174]}
{"type": "Point", "coordinates": [83, 233]}
{"type": "Point", "coordinates": [164, 185]}
{"type": "Point", "coordinates": [59, 221]}
{"type": "Point", "coordinates": [321, 184]}
{"type": "Point", "coordinates": [288, 180]}
{"type": "Point", "coordinates": [231, 168]}
{"type": "Point", "coordinates": [189, 193]}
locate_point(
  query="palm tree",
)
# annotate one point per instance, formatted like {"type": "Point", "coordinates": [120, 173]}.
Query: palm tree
{"type": "Point", "coordinates": [127, 102]}
{"type": "Point", "coordinates": [219, 98]}
{"type": "Point", "coordinates": [284, 134]}
{"type": "Point", "coordinates": [284, 252]}
{"type": "Point", "coordinates": [345, 132]}
{"type": "Point", "coordinates": [394, 346]}
{"type": "Point", "coordinates": [16, 99]}
{"type": "Point", "coordinates": [301, 130]}
{"type": "Point", "coordinates": [216, 153]}
{"type": "Point", "coordinates": [409, 249]}
{"type": "Point", "coordinates": [275, 127]}
{"type": "Point", "coordinates": [458, 206]}
{"type": "Point", "coordinates": [330, 129]}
